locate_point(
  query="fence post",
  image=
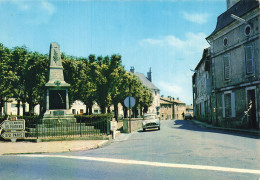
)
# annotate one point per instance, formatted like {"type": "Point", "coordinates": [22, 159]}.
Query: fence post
{"type": "Point", "coordinates": [80, 126]}
{"type": "Point", "coordinates": [37, 127]}
{"type": "Point", "coordinates": [108, 125]}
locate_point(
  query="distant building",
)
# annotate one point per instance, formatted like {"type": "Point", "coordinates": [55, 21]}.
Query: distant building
{"type": "Point", "coordinates": [172, 108]}
{"type": "Point", "coordinates": [147, 81]}
{"type": "Point", "coordinates": [189, 109]}
{"type": "Point", "coordinates": [10, 108]}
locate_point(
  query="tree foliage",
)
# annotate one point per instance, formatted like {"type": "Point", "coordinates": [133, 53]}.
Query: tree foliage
{"type": "Point", "coordinates": [94, 79]}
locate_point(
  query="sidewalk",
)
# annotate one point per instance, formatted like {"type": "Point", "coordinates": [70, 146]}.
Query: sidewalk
{"type": "Point", "coordinates": [49, 147]}
{"type": "Point", "coordinates": [244, 131]}
{"type": "Point", "coordinates": [20, 147]}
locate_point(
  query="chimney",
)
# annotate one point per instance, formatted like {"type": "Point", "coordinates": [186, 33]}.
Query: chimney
{"type": "Point", "coordinates": [230, 3]}
{"type": "Point", "coordinates": [149, 75]}
{"type": "Point", "coordinates": [132, 70]}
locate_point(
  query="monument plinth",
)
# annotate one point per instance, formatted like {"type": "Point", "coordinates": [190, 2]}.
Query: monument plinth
{"type": "Point", "coordinates": [57, 98]}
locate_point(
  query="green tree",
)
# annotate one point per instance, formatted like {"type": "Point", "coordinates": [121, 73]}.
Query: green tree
{"type": "Point", "coordinates": [18, 62]}
{"type": "Point", "coordinates": [35, 79]}
{"type": "Point", "coordinates": [7, 76]}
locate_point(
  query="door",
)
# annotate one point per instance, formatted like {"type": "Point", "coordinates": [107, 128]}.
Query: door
{"type": "Point", "coordinates": [252, 109]}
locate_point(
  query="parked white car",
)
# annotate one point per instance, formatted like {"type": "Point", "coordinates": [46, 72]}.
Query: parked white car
{"type": "Point", "coordinates": [150, 121]}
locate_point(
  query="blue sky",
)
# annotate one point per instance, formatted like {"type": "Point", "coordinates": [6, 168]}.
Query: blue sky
{"type": "Point", "coordinates": [166, 35]}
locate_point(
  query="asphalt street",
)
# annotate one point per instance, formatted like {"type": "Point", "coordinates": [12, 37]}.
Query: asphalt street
{"type": "Point", "coordinates": [180, 150]}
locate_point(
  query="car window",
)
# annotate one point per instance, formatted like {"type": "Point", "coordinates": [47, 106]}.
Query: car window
{"type": "Point", "coordinates": [149, 117]}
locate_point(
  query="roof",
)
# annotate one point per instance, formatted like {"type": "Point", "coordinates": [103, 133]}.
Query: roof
{"type": "Point", "coordinates": [205, 55]}
{"type": "Point", "coordinates": [239, 9]}
{"type": "Point", "coordinates": [189, 107]}
{"type": "Point", "coordinates": [145, 81]}
{"type": "Point", "coordinates": [171, 100]}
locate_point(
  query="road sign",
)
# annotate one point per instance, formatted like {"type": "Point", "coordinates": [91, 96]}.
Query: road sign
{"type": "Point", "coordinates": [13, 135]}
{"type": "Point", "coordinates": [13, 125]}
{"type": "Point", "coordinates": [129, 102]}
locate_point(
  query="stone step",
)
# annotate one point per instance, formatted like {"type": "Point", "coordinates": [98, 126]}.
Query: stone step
{"type": "Point", "coordinates": [63, 133]}
{"type": "Point", "coordinates": [55, 125]}
{"type": "Point", "coordinates": [55, 120]}
{"type": "Point", "coordinates": [60, 128]}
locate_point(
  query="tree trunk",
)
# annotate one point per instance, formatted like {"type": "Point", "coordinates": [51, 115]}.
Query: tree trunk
{"type": "Point", "coordinates": [141, 111]}
{"type": "Point", "coordinates": [145, 109]}
{"type": "Point", "coordinates": [108, 109]}
{"type": "Point", "coordinates": [23, 104]}
{"type": "Point", "coordinates": [90, 110]}
{"type": "Point", "coordinates": [31, 109]}
{"type": "Point", "coordinates": [103, 109]}
{"type": "Point", "coordinates": [125, 112]}
{"type": "Point", "coordinates": [116, 111]}
{"type": "Point", "coordinates": [18, 107]}
{"type": "Point", "coordinates": [1, 106]}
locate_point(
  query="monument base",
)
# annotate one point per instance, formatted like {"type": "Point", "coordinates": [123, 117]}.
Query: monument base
{"type": "Point", "coordinates": [58, 116]}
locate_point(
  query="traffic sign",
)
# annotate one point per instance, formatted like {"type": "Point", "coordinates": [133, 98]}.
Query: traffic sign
{"type": "Point", "coordinates": [129, 102]}
{"type": "Point", "coordinates": [13, 125]}
{"type": "Point", "coordinates": [13, 135]}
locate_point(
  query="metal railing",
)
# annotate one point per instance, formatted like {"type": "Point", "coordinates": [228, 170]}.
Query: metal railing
{"type": "Point", "coordinates": [99, 127]}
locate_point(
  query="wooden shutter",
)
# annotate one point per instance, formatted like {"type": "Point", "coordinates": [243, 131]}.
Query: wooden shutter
{"type": "Point", "coordinates": [226, 67]}
{"type": "Point", "coordinates": [233, 105]}
{"type": "Point", "coordinates": [223, 105]}
{"type": "Point", "coordinates": [249, 59]}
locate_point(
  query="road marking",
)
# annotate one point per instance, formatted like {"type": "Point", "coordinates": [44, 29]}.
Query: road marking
{"type": "Point", "coordinates": [147, 163]}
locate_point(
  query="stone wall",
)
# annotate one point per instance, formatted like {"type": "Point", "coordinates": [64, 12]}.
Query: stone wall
{"type": "Point", "coordinates": [132, 125]}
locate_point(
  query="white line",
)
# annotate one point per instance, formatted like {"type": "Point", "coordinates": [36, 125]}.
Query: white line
{"type": "Point", "coordinates": [156, 164]}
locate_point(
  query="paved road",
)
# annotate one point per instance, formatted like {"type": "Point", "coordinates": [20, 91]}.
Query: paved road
{"type": "Point", "coordinates": [180, 150]}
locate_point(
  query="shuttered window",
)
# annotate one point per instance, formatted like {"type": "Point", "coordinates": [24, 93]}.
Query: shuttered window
{"type": "Point", "coordinates": [226, 62]}
{"type": "Point", "coordinates": [249, 60]}
{"type": "Point", "coordinates": [228, 104]}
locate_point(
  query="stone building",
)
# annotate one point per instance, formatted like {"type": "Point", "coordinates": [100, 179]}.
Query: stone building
{"type": "Point", "coordinates": [201, 82]}
{"type": "Point", "coordinates": [235, 63]}
{"type": "Point", "coordinates": [172, 108]}
{"type": "Point", "coordinates": [147, 81]}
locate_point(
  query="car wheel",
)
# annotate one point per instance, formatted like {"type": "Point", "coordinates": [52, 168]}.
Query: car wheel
{"type": "Point", "coordinates": [159, 128]}
{"type": "Point", "coordinates": [144, 129]}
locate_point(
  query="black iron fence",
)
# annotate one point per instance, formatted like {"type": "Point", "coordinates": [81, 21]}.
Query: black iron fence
{"type": "Point", "coordinates": [80, 126]}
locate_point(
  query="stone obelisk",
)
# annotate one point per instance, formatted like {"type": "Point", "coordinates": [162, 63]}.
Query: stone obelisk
{"type": "Point", "coordinates": [57, 98]}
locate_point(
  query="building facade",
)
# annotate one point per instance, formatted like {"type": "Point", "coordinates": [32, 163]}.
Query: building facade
{"type": "Point", "coordinates": [235, 66]}
{"type": "Point", "coordinates": [147, 81]}
{"type": "Point", "coordinates": [172, 108]}
{"type": "Point", "coordinates": [201, 82]}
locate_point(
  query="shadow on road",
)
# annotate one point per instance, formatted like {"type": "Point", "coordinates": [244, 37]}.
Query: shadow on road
{"type": "Point", "coordinates": [189, 125]}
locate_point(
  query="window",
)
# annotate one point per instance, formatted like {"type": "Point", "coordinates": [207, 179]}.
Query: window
{"type": "Point", "coordinates": [248, 30]}
{"type": "Point", "coordinates": [228, 103]}
{"type": "Point", "coordinates": [225, 41]}
{"type": "Point", "coordinates": [249, 60]}
{"type": "Point", "coordinates": [226, 62]}
{"type": "Point", "coordinates": [81, 111]}
{"type": "Point", "coordinates": [73, 111]}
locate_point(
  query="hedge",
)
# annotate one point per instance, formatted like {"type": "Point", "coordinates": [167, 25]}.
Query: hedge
{"type": "Point", "coordinates": [99, 121]}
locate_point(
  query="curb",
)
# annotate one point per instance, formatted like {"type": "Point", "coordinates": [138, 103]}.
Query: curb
{"type": "Point", "coordinates": [249, 132]}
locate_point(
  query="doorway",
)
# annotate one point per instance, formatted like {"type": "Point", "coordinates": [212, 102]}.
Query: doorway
{"type": "Point", "coordinates": [251, 105]}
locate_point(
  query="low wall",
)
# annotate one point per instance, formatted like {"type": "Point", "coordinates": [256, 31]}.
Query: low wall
{"type": "Point", "coordinates": [132, 125]}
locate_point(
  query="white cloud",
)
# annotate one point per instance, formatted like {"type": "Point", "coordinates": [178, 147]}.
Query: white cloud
{"type": "Point", "coordinates": [36, 5]}
{"type": "Point", "coordinates": [192, 42]}
{"type": "Point", "coordinates": [175, 56]}
{"type": "Point", "coordinates": [170, 88]}
{"type": "Point", "coordinates": [47, 6]}
{"type": "Point", "coordinates": [199, 18]}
